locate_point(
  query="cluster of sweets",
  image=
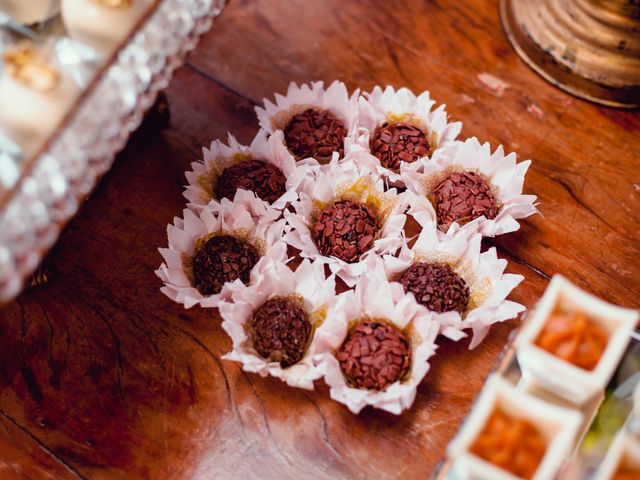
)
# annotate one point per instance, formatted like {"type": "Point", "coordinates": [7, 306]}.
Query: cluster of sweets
{"type": "Point", "coordinates": [330, 179]}
{"type": "Point", "coordinates": [568, 351]}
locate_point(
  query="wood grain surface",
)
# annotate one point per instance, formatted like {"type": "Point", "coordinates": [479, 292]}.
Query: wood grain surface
{"type": "Point", "coordinates": [103, 377]}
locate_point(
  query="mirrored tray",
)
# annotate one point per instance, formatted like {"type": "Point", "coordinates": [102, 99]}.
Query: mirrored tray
{"type": "Point", "coordinates": [45, 176]}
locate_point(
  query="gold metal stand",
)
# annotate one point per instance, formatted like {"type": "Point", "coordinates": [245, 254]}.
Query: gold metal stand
{"type": "Point", "coordinates": [589, 48]}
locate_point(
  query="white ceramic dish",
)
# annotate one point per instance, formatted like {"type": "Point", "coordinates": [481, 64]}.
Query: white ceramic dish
{"type": "Point", "coordinates": [572, 383]}
{"type": "Point", "coordinates": [558, 425]}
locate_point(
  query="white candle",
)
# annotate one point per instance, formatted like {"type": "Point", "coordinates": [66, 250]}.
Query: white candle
{"type": "Point", "coordinates": [102, 24]}
{"type": "Point", "coordinates": [30, 11]}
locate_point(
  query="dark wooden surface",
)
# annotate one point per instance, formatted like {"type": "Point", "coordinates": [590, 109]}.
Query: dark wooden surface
{"type": "Point", "coordinates": [103, 377]}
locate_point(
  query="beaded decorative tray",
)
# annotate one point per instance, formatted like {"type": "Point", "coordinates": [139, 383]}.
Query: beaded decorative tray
{"type": "Point", "coordinates": [52, 153]}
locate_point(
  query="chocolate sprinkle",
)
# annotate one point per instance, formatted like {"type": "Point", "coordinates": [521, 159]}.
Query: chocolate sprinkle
{"type": "Point", "coordinates": [436, 286]}
{"type": "Point", "coordinates": [315, 133]}
{"type": "Point", "coordinates": [264, 179]}
{"type": "Point", "coordinates": [394, 143]}
{"type": "Point", "coordinates": [462, 197]}
{"type": "Point", "coordinates": [345, 230]}
{"type": "Point", "coordinates": [222, 259]}
{"type": "Point", "coordinates": [281, 331]}
{"type": "Point", "coordinates": [374, 355]}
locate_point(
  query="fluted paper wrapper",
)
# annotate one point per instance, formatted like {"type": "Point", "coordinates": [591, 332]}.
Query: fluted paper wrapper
{"type": "Point", "coordinates": [504, 175]}
{"type": "Point", "coordinates": [373, 298]}
{"type": "Point", "coordinates": [346, 181]}
{"type": "Point", "coordinates": [483, 273]}
{"type": "Point", "coordinates": [225, 218]}
{"type": "Point", "coordinates": [219, 156]}
{"type": "Point", "coordinates": [274, 117]}
{"type": "Point", "coordinates": [307, 285]}
{"type": "Point", "coordinates": [399, 106]}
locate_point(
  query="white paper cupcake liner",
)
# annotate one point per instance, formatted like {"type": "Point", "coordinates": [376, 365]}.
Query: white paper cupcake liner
{"type": "Point", "coordinates": [346, 181]}
{"type": "Point", "coordinates": [402, 105]}
{"type": "Point", "coordinates": [309, 285]}
{"type": "Point", "coordinates": [483, 273]}
{"type": "Point", "coordinates": [505, 176]}
{"type": "Point", "coordinates": [265, 233]}
{"type": "Point", "coordinates": [373, 299]}
{"type": "Point", "coordinates": [219, 156]}
{"type": "Point", "coordinates": [274, 117]}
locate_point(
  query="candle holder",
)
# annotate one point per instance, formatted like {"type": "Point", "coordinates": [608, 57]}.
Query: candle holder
{"type": "Point", "coordinates": [589, 48]}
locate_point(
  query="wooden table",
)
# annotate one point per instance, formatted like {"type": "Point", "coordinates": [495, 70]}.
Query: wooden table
{"type": "Point", "coordinates": [103, 377]}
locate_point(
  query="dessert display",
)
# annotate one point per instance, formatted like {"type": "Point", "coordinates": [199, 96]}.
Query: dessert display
{"type": "Point", "coordinates": [222, 259]}
{"type": "Point", "coordinates": [513, 444]}
{"type": "Point", "coordinates": [574, 338]}
{"type": "Point", "coordinates": [393, 143]}
{"type": "Point", "coordinates": [318, 181]}
{"type": "Point", "coordinates": [102, 24]}
{"type": "Point", "coordinates": [374, 355]}
{"type": "Point", "coordinates": [345, 230]}
{"type": "Point", "coordinates": [529, 428]}
{"type": "Point", "coordinates": [463, 197]}
{"type": "Point", "coordinates": [436, 286]}
{"type": "Point", "coordinates": [280, 331]}
{"type": "Point", "coordinates": [315, 133]}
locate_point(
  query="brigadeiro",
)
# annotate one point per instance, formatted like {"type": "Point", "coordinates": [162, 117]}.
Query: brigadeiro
{"type": "Point", "coordinates": [346, 229]}
{"type": "Point", "coordinates": [449, 277]}
{"type": "Point", "coordinates": [343, 217]}
{"type": "Point", "coordinates": [398, 127]}
{"type": "Point", "coordinates": [436, 286]}
{"type": "Point", "coordinates": [311, 121]}
{"type": "Point", "coordinates": [281, 331]}
{"type": "Point", "coordinates": [272, 322]}
{"type": "Point", "coordinates": [264, 170]}
{"type": "Point", "coordinates": [265, 180]}
{"type": "Point", "coordinates": [393, 143]}
{"type": "Point", "coordinates": [375, 345]}
{"type": "Point", "coordinates": [467, 186]}
{"type": "Point", "coordinates": [315, 133]}
{"type": "Point", "coordinates": [374, 355]}
{"type": "Point", "coordinates": [222, 259]}
{"type": "Point", "coordinates": [217, 249]}
{"type": "Point", "coordinates": [462, 197]}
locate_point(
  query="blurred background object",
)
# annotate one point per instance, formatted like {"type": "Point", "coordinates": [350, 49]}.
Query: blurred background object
{"type": "Point", "coordinates": [589, 48]}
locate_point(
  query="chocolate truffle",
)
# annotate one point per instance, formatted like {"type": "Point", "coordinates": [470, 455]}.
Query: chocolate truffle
{"type": "Point", "coordinates": [436, 286]}
{"type": "Point", "coordinates": [462, 197]}
{"type": "Point", "coordinates": [315, 133]}
{"type": "Point", "coordinates": [281, 331]}
{"type": "Point", "coordinates": [264, 179]}
{"type": "Point", "coordinates": [394, 143]}
{"type": "Point", "coordinates": [222, 259]}
{"type": "Point", "coordinates": [345, 230]}
{"type": "Point", "coordinates": [513, 444]}
{"type": "Point", "coordinates": [374, 355]}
